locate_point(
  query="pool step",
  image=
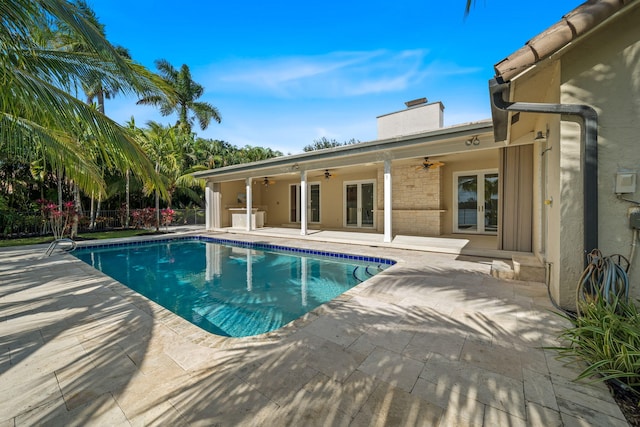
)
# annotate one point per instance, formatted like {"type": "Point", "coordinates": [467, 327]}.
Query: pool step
{"type": "Point", "coordinates": [363, 273]}
{"type": "Point", "coordinates": [502, 269]}
{"type": "Point", "coordinates": [528, 268]}
{"type": "Point", "coordinates": [522, 267]}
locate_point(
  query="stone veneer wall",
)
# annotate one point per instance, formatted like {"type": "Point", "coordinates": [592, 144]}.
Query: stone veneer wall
{"type": "Point", "coordinates": [415, 200]}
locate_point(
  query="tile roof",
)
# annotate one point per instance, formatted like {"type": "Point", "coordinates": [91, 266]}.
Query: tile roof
{"type": "Point", "coordinates": [574, 24]}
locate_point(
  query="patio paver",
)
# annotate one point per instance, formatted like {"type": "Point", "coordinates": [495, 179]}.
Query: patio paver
{"type": "Point", "coordinates": [434, 340]}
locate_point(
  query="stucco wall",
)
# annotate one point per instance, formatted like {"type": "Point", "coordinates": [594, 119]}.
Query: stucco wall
{"type": "Point", "coordinates": [602, 71]}
{"type": "Point", "coordinates": [230, 191]}
{"type": "Point", "coordinates": [274, 200]}
{"type": "Point", "coordinates": [415, 119]}
{"type": "Point", "coordinates": [543, 85]}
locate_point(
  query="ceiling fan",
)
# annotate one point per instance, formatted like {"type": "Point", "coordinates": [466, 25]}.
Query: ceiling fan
{"type": "Point", "coordinates": [326, 174]}
{"type": "Point", "coordinates": [267, 182]}
{"type": "Point", "coordinates": [429, 164]}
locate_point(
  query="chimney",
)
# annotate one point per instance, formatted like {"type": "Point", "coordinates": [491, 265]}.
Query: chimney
{"type": "Point", "coordinates": [415, 102]}
{"type": "Point", "coordinates": [418, 117]}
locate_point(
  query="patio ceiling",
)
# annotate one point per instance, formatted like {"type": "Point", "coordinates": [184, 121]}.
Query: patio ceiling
{"type": "Point", "coordinates": [366, 154]}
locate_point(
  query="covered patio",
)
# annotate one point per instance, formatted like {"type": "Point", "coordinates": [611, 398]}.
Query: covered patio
{"type": "Point", "coordinates": [426, 187]}
{"type": "Point", "coordinates": [469, 245]}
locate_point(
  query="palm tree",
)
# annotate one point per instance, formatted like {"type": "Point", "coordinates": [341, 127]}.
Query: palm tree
{"type": "Point", "coordinates": [37, 110]}
{"type": "Point", "coordinates": [184, 102]}
{"type": "Point", "coordinates": [467, 7]}
{"type": "Point", "coordinates": [96, 91]}
{"type": "Point", "coordinates": [164, 144]}
{"type": "Point", "coordinates": [94, 88]}
{"type": "Point", "coordinates": [159, 142]}
{"type": "Point", "coordinates": [254, 154]}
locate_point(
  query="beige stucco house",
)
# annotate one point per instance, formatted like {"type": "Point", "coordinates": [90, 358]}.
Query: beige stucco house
{"type": "Point", "coordinates": [577, 86]}
{"type": "Point", "coordinates": [417, 179]}
{"type": "Point", "coordinates": [516, 182]}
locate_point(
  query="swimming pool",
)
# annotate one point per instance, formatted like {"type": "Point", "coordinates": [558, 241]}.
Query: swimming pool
{"type": "Point", "coordinates": [232, 288]}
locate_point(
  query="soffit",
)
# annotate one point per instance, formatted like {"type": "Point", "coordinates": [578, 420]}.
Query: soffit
{"type": "Point", "coordinates": [365, 155]}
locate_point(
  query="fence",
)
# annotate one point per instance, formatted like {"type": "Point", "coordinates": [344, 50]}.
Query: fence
{"type": "Point", "coordinates": [27, 224]}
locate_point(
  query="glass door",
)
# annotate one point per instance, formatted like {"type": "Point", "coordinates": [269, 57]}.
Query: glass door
{"type": "Point", "coordinates": [476, 202]}
{"type": "Point", "coordinates": [313, 203]}
{"type": "Point", "coordinates": [351, 204]}
{"type": "Point", "coordinates": [359, 203]}
{"type": "Point", "coordinates": [366, 210]}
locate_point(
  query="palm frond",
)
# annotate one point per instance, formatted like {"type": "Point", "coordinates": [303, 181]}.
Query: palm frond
{"type": "Point", "coordinates": [60, 152]}
{"type": "Point", "coordinates": [37, 101]}
{"type": "Point", "coordinates": [188, 180]}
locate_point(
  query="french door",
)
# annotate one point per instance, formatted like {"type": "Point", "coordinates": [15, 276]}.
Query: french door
{"type": "Point", "coordinates": [359, 197]}
{"type": "Point", "coordinates": [476, 202]}
{"type": "Point", "coordinates": [313, 203]}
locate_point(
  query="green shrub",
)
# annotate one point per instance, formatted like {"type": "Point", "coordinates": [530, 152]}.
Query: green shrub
{"type": "Point", "coordinates": [606, 336]}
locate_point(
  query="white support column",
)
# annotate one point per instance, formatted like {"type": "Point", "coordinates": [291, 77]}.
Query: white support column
{"type": "Point", "coordinates": [213, 209]}
{"type": "Point", "coordinates": [213, 206]}
{"type": "Point", "coordinates": [388, 234]}
{"type": "Point", "coordinates": [217, 206]}
{"type": "Point", "coordinates": [303, 203]}
{"type": "Point", "coordinates": [209, 206]}
{"type": "Point", "coordinates": [249, 203]}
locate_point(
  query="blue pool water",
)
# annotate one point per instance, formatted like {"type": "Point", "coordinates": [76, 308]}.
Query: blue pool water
{"type": "Point", "coordinates": [234, 289]}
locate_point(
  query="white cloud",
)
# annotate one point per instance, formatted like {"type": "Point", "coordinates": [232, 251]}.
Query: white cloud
{"type": "Point", "coordinates": [333, 75]}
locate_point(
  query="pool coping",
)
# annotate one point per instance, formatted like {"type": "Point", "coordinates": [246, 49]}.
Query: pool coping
{"type": "Point", "coordinates": [245, 244]}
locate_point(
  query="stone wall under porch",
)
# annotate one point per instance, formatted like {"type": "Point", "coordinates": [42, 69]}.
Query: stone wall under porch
{"type": "Point", "coordinates": [416, 200]}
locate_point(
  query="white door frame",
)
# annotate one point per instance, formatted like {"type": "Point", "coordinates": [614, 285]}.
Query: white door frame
{"type": "Point", "coordinates": [359, 203]}
{"type": "Point", "coordinates": [298, 200]}
{"type": "Point", "coordinates": [480, 174]}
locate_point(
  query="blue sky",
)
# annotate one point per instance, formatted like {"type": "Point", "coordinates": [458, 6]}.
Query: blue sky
{"type": "Point", "coordinates": [284, 73]}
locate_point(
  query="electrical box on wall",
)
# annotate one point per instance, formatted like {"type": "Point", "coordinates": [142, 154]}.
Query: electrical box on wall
{"type": "Point", "coordinates": [625, 182]}
{"type": "Point", "coordinates": [634, 220]}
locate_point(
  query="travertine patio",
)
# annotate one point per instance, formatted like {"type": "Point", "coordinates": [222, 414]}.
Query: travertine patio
{"type": "Point", "coordinates": [434, 340]}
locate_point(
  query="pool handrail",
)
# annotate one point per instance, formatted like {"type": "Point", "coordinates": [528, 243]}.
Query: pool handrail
{"type": "Point", "coordinates": [54, 244]}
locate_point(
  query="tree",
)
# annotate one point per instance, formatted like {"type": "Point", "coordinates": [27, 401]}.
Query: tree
{"type": "Point", "coordinates": [164, 146]}
{"type": "Point", "coordinates": [183, 103]}
{"type": "Point", "coordinates": [467, 8]}
{"type": "Point", "coordinates": [37, 110]}
{"type": "Point", "coordinates": [157, 140]}
{"type": "Point", "coordinates": [67, 39]}
{"type": "Point", "coordinates": [322, 143]}
{"type": "Point", "coordinates": [254, 154]}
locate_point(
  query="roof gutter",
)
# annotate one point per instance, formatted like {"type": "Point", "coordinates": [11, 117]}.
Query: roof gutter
{"type": "Point", "coordinates": [589, 136]}
{"type": "Point", "coordinates": [362, 148]}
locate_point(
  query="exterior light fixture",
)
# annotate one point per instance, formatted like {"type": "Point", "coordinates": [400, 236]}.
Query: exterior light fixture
{"type": "Point", "coordinates": [473, 141]}
{"type": "Point", "coordinates": [540, 137]}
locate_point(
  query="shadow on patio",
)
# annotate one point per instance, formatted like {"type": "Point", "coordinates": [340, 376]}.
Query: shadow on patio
{"type": "Point", "coordinates": [431, 341]}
